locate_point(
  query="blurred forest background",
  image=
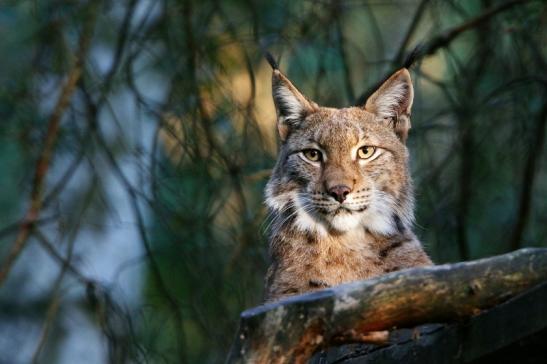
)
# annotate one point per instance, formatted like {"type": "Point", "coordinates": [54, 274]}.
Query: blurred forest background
{"type": "Point", "coordinates": [137, 136]}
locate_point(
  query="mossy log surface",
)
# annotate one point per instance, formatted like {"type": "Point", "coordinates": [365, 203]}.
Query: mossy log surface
{"type": "Point", "coordinates": [291, 330]}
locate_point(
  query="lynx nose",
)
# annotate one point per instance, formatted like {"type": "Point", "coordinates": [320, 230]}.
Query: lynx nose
{"type": "Point", "coordinates": [339, 192]}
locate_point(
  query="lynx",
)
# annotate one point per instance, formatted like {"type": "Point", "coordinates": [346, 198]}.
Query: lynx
{"type": "Point", "coordinates": [340, 194]}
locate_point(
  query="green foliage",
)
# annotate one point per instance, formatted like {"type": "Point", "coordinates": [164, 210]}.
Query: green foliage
{"type": "Point", "coordinates": [194, 73]}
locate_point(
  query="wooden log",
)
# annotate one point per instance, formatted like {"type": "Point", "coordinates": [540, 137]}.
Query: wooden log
{"type": "Point", "coordinates": [291, 330]}
{"type": "Point", "coordinates": [514, 331]}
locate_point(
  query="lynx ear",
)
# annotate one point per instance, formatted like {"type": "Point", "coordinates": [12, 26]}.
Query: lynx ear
{"type": "Point", "coordinates": [292, 107]}
{"type": "Point", "coordinates": [392, 102]}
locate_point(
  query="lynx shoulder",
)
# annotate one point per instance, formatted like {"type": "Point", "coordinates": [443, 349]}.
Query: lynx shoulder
{"type": "Point", "coordinates": [340, 194]}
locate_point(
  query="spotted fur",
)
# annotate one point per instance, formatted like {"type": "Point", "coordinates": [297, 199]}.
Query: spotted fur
{"type": "Point", "coordinates": [315, 240]}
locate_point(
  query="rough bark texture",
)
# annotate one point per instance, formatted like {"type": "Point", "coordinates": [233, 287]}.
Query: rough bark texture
{"type": "Point", "coordinates": [512, 332]}
{"type": "Point", "coordinates": [291, 330]}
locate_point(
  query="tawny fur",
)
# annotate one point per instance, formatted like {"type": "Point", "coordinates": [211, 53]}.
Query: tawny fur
{"type": "Point", "coordinates": [315, 240]}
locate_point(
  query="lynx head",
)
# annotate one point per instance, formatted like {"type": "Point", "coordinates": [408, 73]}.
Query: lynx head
{"type": "Point", "coordinates": [342, 169]}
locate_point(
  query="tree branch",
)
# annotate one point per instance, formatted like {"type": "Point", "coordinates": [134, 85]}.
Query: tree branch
{"type": "Point", "coordinates": [399, 57]}
{"type": "Point", "coordinates": [528, 179]}
{"type": "Point", "coordinates": [42, 165]}
{"type": "Point", "coordinates": [443, 40]}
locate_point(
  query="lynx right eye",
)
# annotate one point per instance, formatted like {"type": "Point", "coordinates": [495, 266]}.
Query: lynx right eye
{"type": "Point", "coordinates": [313, 155]}
{"type": "Point", "coordinates": [366, 152]}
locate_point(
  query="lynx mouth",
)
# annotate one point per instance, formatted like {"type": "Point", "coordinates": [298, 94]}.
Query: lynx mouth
{"type": "Point", "coordinates": [342, 209]}
{"type": "Point", "coordinates": [347, 210]}
{"type": "Point", "coordinates": [329, 208]}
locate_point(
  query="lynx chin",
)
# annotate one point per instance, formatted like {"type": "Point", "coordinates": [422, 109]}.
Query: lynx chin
{"type": "Point", "coordinates": [340, 194]}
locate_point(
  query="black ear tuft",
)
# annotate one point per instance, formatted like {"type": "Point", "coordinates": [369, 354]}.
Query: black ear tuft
{"type": "Point", "coordinates": [271, 60]}
{"type": "Point", "coordinates": [413, 56]}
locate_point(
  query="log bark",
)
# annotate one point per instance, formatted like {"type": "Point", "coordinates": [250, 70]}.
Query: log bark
{"type": "Point", "coordinates": [291, 330]}
{"type": "Point", "coordinates": [512, 332]}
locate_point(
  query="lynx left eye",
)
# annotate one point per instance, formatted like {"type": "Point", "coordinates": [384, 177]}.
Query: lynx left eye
{"type": "Point", "coordinates": [312, 154]}
{"type": "Point", "coordinates": [366, 152]}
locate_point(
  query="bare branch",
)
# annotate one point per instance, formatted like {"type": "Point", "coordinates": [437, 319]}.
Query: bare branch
{"type": "Point", "coordinates": [45, 157]}
{"type": "Point", "coordinates": [444, 40]}
{"type": "Point", "coordinates": [529, 179]}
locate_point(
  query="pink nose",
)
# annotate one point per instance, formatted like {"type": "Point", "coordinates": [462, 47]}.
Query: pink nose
{"type": "Point", "coordinates": [339, 192]}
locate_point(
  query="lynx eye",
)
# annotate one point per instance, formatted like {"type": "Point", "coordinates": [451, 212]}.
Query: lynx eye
{"type": "Point", "coordinates": [366, 152]}
{"type": "Point", "coordinates": [313, 155]}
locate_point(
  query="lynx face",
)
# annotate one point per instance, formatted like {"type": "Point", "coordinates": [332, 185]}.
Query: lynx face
{"type": "Point", "coordinates": [342, 169]}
